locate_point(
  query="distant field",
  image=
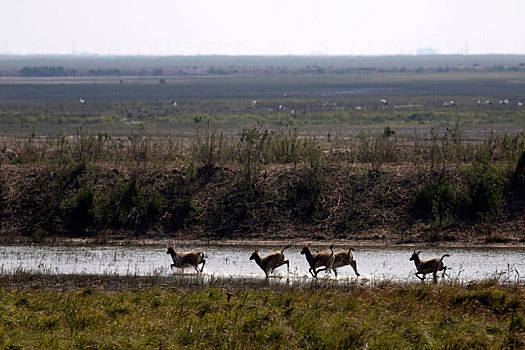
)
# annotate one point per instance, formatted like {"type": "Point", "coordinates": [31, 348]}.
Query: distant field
{"type": "Point", "coordinates": [37, 90]}
{"type": "Point", "coordinates": [318, 103]}
{"type": "Point", "coordinates": [166, 62]}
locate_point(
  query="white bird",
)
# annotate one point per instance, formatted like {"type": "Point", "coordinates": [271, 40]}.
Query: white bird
{"type": "Point", "coordinates": [452, 103]}
{"type": "Point", "coordinates": [487, 102]}
{"type": "Point", "coordinates": [82, 101]}
{"type": "Point", "coordinates": [280, 107]}
{"type": "Point", "coordinates": [174, 103]}
{"type": "Point", "coordinates": [479, 102]}
{"type": "Point", "coordinates": [505, 101]}
{"type": "Point", "coordinates": [520, 104]}
{"type": "Point", "coordinates": [385, 102]}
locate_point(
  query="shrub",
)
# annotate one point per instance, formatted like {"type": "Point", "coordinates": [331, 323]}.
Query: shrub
{"type": "Point", "coordinates": [79, 212]}
{"type": "Point", "coordinates": [286, 144]}
{"type": "Point", "coordinates": [50, 190]}
{"type": "Point", "coordinates": [519, 175]}
{"type": "Point", "coordinates": [3, 192]}
{"type": "Point", "coordinates": [207, 145]}
{"type": "Point", "coordinates": [249, 153]}
{"type": "Point", "coordinates": [485, 188]}
{"type": "Point", "coordinates": [129, 205]}
{"type": "Point", "coordinates": [439, 197]}
{"type": "Point", "coordinates": [437, 201]}
{"type": "Point", "coordinates": [378, 149]}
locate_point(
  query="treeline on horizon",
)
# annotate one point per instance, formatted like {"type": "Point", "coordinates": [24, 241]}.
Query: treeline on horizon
{"type": "Point", "coordinates": [60, 71]}
{"type": "Point", "coordinates": [79, 62]}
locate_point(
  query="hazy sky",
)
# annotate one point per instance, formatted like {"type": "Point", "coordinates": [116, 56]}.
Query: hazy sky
{"type": "Point", "coordinates": [173, 27]}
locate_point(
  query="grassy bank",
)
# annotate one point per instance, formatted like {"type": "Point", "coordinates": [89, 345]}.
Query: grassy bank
{"type": "Point", "coordinates": [266, 184]}
{"type": "Point", "coordinates": [483, 315]}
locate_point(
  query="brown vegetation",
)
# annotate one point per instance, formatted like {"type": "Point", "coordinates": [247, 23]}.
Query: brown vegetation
{"type": "Point", "coordinates": [265, 185]}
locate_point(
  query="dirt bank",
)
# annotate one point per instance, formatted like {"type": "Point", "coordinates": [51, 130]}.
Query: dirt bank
{"type": "Point", "coordinates": [346, 203]}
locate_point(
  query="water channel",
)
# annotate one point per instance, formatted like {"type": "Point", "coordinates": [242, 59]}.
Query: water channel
{"type": "Point", "coordinates": [378, 263]}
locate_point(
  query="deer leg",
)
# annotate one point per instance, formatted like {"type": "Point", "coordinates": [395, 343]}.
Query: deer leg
{"type": "Point", "coordinates": [284, 262]}
{"type": "Point", "coordinates": [354, 266]}
{"type": "Point", "coordinates": [203, 263]}
{"type": "Point", "coordinates": [323, 269]}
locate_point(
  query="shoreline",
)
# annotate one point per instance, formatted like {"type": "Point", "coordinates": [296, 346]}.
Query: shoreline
{"type": "Point", "coordinates": [250, 242]}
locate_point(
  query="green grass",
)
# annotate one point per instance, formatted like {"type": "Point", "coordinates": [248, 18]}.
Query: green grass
{"type": "Point", "coordinates": [480, 316]}
{"type": "Point", "coordinates": [318, 116]}
{"type": "Point", "coordinates": [321, 103]}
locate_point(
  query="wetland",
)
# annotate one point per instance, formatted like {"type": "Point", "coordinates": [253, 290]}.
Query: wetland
{"type": "Point", "coordinates": [386, 159]}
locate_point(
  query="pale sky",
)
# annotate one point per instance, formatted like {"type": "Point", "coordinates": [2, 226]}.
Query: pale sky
{"type": "Point", "coordinates": [273, 27]}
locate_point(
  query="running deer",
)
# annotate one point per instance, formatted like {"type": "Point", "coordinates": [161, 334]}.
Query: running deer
{"type": "Point", "coordinates": [323, 259]}
{"type": "Point", "coordinates": [345, 258]}
{"type": "Point", "coordinates": [270, 262]}
{"type": "Point", "coordinates": [183, 260]}
{"type": "Point", "coordinates": [428, 266]}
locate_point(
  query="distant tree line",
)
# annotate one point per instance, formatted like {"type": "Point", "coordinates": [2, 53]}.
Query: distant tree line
{"type": "Point", "coordinates": [46, 71]}
{"type": "Point", "coordinates": [104, 72]}
{"type": "Point", "coordinates": [58, 71]}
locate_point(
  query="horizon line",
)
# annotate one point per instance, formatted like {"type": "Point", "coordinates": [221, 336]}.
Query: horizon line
{"type": "Point", "coordinates": [251, 55]}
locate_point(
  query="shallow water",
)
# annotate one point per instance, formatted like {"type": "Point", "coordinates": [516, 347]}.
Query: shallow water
{"type": "Point", "coordinates": [373, 263]}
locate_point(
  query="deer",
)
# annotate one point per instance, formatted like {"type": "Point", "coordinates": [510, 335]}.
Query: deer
{"type": "Point", "coordinates": [323, 259]}
{"type": "Point", "coordinates": [345, 258]}
{"type": "Point", "coordinates": [183, 260]}
{"type": "Point", "coordinates": [270, 262]}
{"type": "Point", "coordinates": [428, 266]}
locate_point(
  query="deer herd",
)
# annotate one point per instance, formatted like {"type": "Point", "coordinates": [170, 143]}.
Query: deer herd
{"type": "Point", "coordinates": [324, 260]}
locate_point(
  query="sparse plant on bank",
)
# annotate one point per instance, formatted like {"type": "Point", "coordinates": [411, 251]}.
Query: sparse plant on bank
{"type": "Point", "coordinates": [207, 145]}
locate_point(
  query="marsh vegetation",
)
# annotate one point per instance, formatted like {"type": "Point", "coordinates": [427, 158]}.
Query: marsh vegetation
{"type": "Point", "coordinates": [115, 313]}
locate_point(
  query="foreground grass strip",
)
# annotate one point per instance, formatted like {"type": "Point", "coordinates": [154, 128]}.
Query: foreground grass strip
{"type": "Point", "coordinates": [483, 315]}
